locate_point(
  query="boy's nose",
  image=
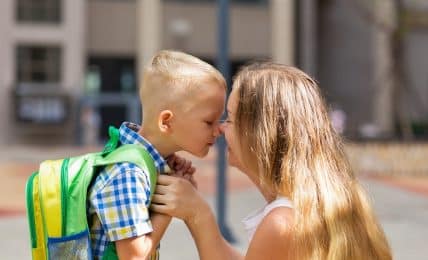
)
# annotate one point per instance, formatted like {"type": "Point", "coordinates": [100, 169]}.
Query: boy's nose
{"type": "Point", "coordinates": [218, 130]}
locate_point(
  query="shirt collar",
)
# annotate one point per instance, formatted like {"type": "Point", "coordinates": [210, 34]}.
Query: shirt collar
{"type": "Point", "coordinates": [128, 133]}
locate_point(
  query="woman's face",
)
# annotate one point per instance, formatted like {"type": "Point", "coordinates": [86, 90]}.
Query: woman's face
{"type": "Point", "coordinates": [228, 129]}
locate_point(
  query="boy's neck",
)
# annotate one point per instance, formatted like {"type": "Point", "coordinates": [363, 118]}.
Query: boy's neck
{"type": "Point", "coordinates": [156, 140]}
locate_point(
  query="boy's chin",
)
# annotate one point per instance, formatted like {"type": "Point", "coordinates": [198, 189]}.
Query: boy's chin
{"type": "Point", "coordinates": [201, 154]}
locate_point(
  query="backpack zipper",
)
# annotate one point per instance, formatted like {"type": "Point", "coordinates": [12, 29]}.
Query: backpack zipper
{"type": "Point", "coordinates": [30, 209]}
{"type": "Point", "coordinates": [64, 195]}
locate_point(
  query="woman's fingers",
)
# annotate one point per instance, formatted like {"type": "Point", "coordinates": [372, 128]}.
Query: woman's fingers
{"type": "Point", "coordinates": [161, 189]}
{"type": "Point", "coordinates": [158, 199]}
{"type": "Point", "coordinates": [177, 196]}
{"type": "Point", "coordinates": [165, 179]}
{"type": "Point", "coordinates": [194, 183]}
{"type": "Point", "coordinates": [159, 208]}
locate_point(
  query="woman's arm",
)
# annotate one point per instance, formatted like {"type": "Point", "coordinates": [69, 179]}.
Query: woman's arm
{"type": "Point", "coordinates": [208, 239]}
{"type": "Point", "coordinates": [178, 198]}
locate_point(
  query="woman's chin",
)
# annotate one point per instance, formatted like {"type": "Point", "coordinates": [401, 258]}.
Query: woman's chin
{"type": "Point", "coordinates": [231, 161]}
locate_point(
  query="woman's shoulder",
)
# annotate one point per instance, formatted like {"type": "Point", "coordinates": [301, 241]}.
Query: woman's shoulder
{"type": "Point", "coordinates": [273, 235]}
{"type": "Point", "coordinates": [278, 221]}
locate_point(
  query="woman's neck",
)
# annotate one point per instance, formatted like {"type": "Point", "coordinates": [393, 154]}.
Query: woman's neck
{"type": "Point", "coordinates": [268, 194]}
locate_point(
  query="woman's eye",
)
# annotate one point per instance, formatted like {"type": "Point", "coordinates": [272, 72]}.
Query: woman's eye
{"type": "Point", "coordinates": [227, 120]}
{"type": "Point", "coordinates": [209, 123]}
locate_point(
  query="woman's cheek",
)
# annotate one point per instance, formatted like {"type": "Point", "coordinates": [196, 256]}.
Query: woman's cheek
{"type": "Point", "coordinates": [230, 158]}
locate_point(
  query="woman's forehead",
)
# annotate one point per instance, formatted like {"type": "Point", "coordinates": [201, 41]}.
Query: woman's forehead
{"type": "Point", "coordinates": [232, 101]}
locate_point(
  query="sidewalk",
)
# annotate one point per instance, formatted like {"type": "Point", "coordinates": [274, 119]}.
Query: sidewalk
{"type": "Point", "coordinates": [403, 212]}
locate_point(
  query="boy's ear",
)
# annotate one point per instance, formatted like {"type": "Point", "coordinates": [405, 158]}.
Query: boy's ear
{"type": "Point", "coordinates": [164, 122]}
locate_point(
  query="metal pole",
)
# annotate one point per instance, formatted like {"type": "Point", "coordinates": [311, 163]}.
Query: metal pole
{"type": "Point", "coordinates": [224, 67]}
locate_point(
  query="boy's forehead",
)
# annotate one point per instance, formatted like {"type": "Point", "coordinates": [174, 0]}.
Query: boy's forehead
{"type": "Point", "coordinates": [207, 99]}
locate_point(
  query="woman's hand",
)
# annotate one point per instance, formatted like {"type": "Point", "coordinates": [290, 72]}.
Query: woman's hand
{"type": "Point", "coordinates": [178, 198]}
{"type": "Point", "coordinates": [181, 168]}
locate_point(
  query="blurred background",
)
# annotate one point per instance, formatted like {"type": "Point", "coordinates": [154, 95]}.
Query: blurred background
{"type": "Point", "coordinates": [70, 68]}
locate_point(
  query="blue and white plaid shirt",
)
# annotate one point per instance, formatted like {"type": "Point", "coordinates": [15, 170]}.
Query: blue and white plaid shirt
{"type": "Point", "coordinates": [119, 197]}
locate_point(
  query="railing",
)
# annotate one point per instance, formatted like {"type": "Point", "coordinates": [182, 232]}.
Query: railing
{"type": "Point", "coordinates": [88, 111]}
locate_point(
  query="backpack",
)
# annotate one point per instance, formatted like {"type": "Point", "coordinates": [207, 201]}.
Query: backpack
{"type": "Point", "coordinates": [56, 199]}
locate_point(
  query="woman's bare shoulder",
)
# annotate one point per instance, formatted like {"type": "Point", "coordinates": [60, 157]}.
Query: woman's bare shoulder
{"type": "Point", "coordinates": [278, 222]}
{"type": "Point", "coordinates": [272, 237]}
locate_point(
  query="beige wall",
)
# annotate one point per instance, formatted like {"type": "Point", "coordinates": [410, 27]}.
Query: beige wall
{"type": "Point", "coordinates": [6, 64]}
{"type": "Point", "coordinates": [69, 35]}
{"type": "Point", "coordinates": [249, 29]}
{"type": "Point", "coordinates": [112, 26]}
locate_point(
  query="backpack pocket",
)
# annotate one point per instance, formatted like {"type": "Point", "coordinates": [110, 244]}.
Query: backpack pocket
{"type": "Point", "coordinates": [75, 246]}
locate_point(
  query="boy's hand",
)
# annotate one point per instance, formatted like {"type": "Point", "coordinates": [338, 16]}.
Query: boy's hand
{"type": "Point", "coordinates": [181, 168]}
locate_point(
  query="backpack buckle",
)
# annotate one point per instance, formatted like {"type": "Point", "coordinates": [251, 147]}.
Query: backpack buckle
{"type": "Point", "coordinates": [113, 141]}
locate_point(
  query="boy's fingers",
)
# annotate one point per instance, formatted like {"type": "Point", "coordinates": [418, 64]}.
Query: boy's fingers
{"type": "Point", "coordinates": [180, 173]}
{"type": "Point", "coordinates": [171, 160]}
{"type": "Point", "coordinates": [188, 165]}
{"type": "Point", "coordinates": [179, 164]}
{"type": "Point", "coordinates": [191, 170]}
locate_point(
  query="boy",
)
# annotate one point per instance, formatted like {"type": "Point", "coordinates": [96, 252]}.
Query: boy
{"type": "Point", "coordinates": [183, 99]}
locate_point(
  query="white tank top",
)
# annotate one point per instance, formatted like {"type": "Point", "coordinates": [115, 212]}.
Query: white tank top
{"type": "Point", "coordinates": [252, 221]}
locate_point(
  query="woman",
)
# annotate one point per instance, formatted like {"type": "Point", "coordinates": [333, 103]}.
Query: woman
{"type": "Point", "coordinates": [279, 135]}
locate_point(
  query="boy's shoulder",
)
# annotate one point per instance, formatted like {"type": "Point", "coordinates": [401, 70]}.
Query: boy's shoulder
{"type": "Point", "coordinates": [119, 175]}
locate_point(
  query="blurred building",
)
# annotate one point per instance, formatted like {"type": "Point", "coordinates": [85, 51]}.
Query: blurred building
{"type": "Point", "coordinates": [59, 57]}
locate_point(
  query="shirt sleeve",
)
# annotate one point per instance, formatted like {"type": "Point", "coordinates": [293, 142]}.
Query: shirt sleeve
{"type": "Point", "coordinates": [122, 204]}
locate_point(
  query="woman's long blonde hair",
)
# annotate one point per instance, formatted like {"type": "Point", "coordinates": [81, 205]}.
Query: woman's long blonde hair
{"type": "Point", "coordinates": [285, 130]}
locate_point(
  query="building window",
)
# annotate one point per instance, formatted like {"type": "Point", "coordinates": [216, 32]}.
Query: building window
{"type": "Point", "coordinates": [46, 11]}
{"type": "Point", "coordinates": [38, 64]}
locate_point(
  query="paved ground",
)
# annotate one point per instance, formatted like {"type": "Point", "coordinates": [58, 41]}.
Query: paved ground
{"type": "Point", "coordinates": [401, 204]}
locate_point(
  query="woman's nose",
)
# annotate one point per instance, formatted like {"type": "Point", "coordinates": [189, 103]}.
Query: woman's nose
{"type": "Point", "coordinates": [221, 127]}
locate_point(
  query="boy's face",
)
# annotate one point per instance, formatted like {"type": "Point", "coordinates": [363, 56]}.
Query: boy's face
{"type": "Point", "coordinates": [196, 128]}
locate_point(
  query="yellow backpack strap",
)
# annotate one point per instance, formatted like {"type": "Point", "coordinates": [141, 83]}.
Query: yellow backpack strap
{"type": "Point", "coordinates": [50, 194]}
{"type": "Point", "coordinates": [35, 219]}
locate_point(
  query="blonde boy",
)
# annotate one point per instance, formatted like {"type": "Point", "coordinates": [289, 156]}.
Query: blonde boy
{"type": "Point", "coordinates": [183, 99]}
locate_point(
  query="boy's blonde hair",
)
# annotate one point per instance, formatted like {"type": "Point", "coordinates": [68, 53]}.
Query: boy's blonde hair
{"type": "Point", "coordinates": [172, 76]}
{"type": "Point", "coordinates": [286, 136]}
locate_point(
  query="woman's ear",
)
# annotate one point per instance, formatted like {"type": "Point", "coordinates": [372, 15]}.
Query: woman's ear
{"type": "Point", "coordinates": [164, 121]}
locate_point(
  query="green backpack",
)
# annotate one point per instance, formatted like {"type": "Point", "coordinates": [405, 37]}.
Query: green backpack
{"type": "Point", "coordinates": [57, 199]}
